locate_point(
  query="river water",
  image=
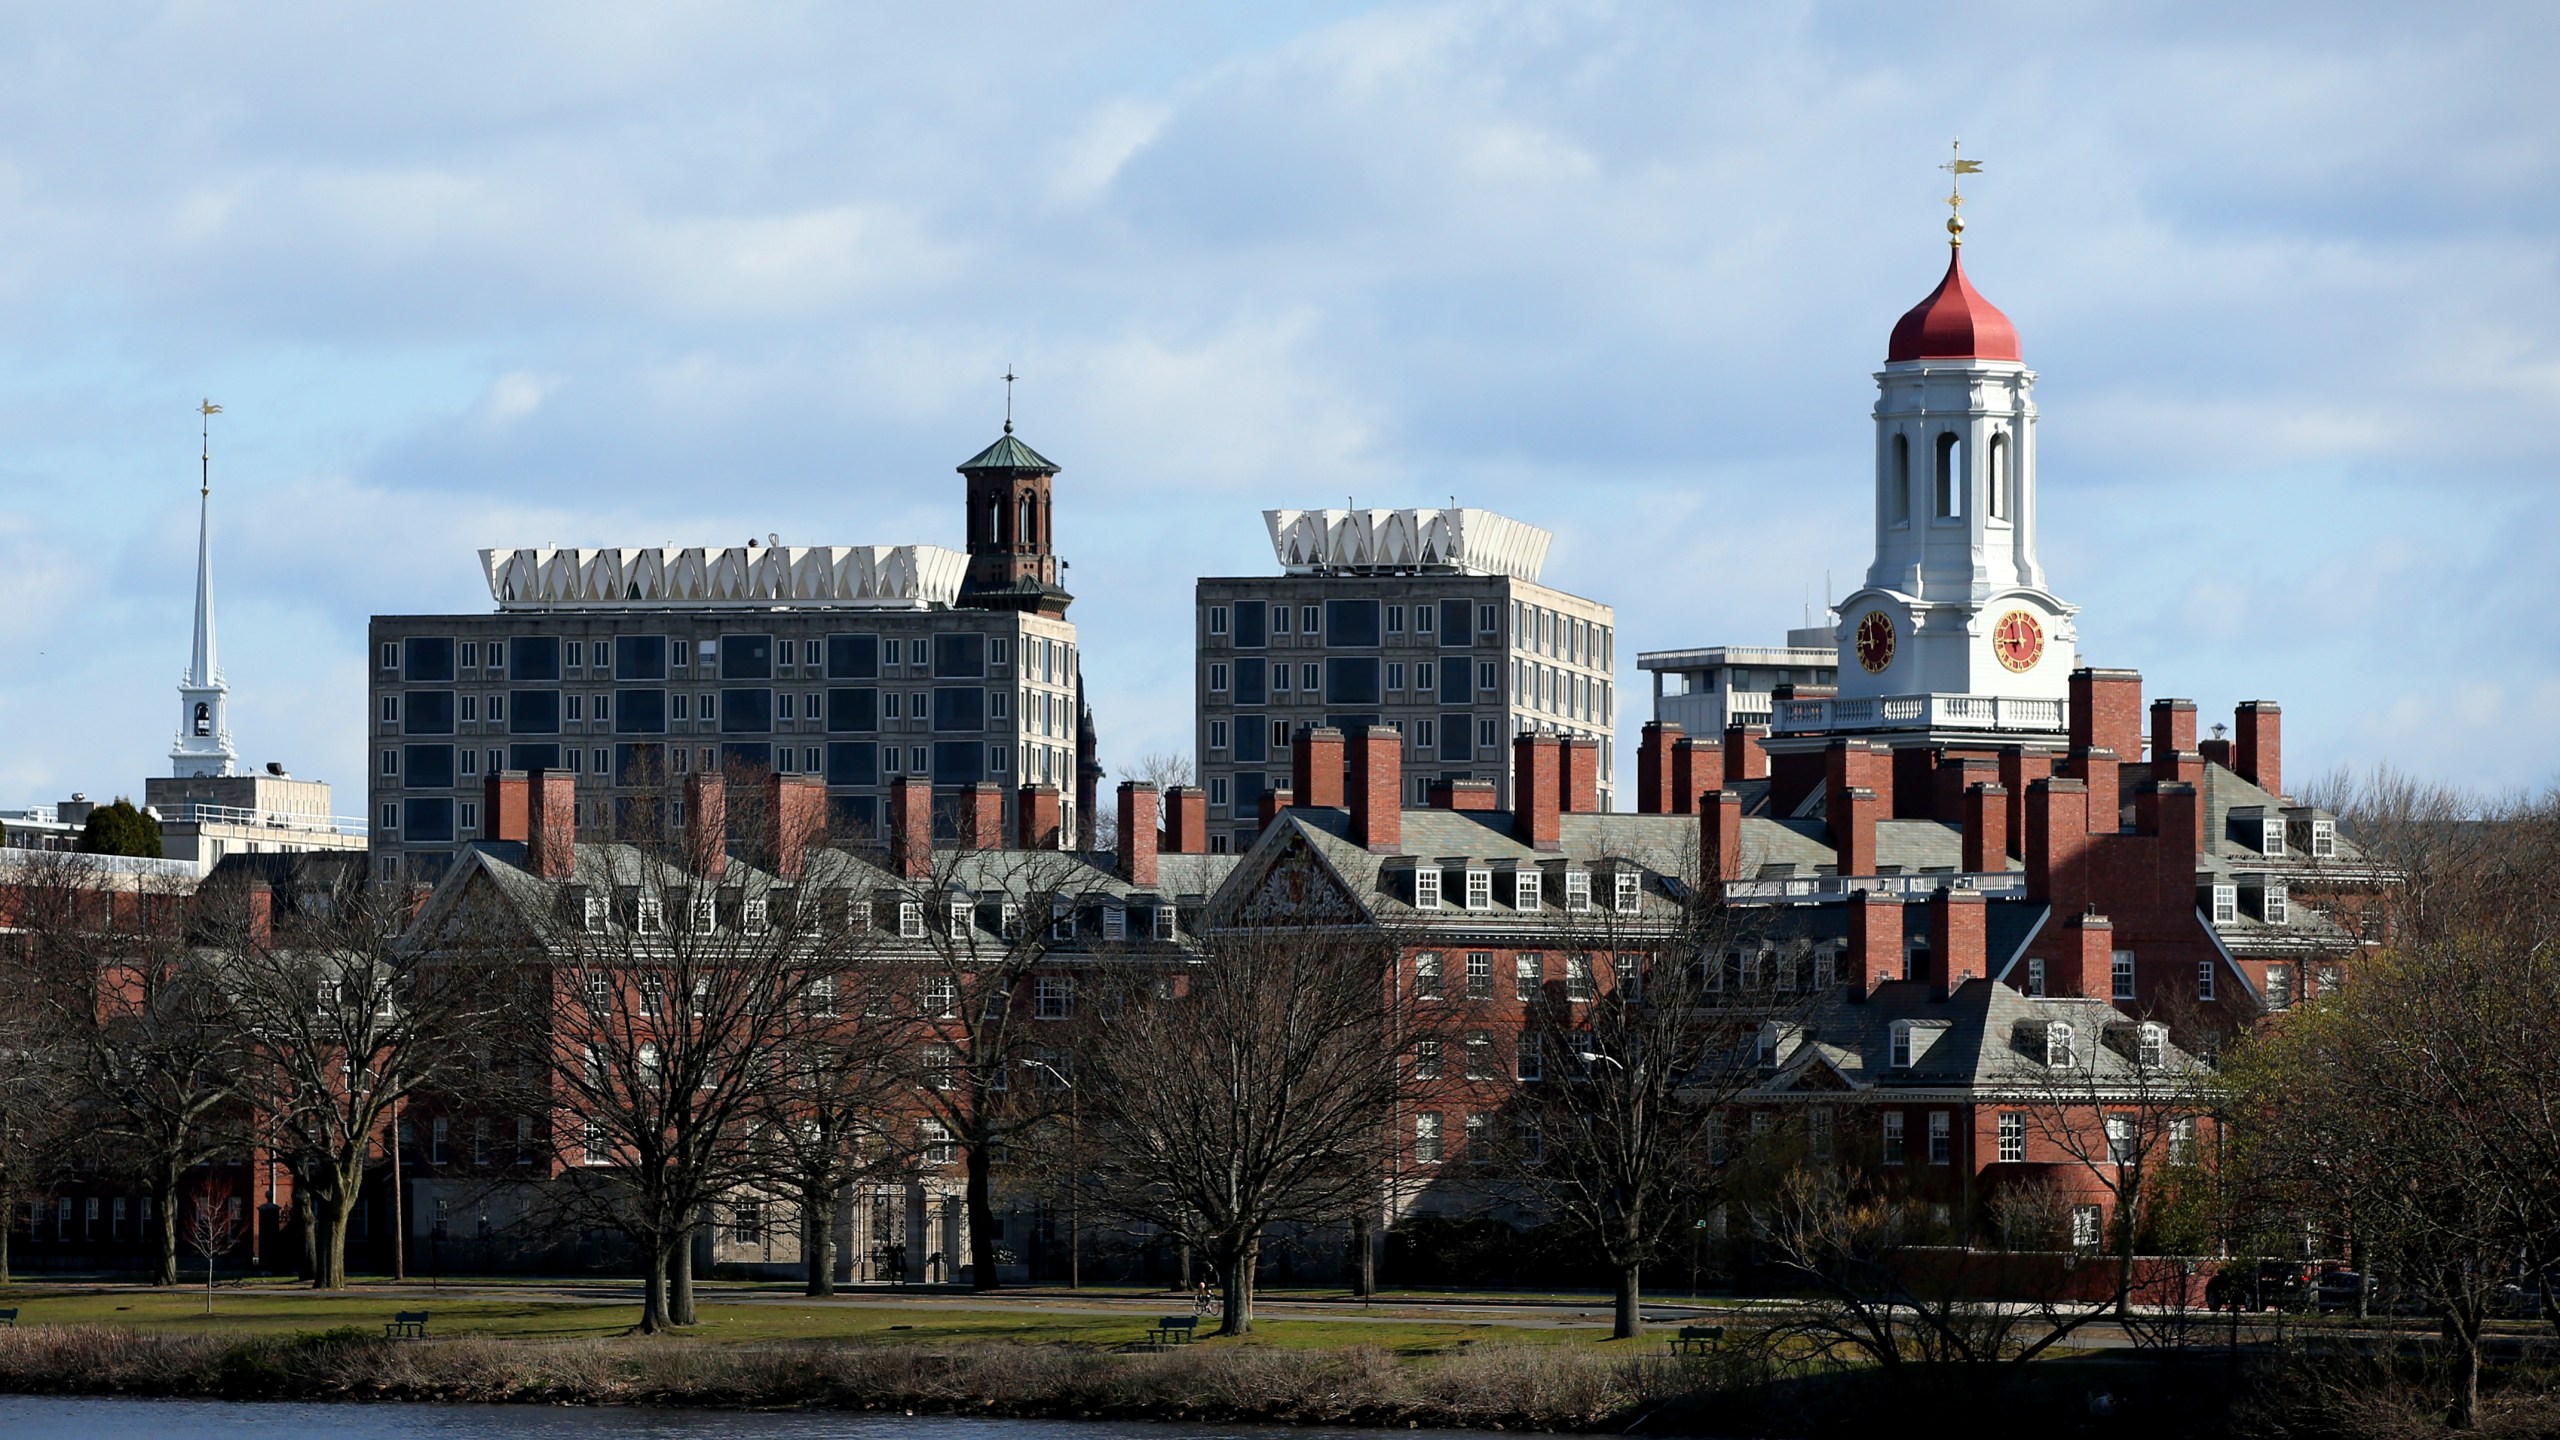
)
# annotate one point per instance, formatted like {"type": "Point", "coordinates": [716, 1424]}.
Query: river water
{"type": "Point", "coordinates": [32, 1417]}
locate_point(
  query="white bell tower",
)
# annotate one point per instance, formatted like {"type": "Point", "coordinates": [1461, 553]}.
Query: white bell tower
{"type": "Point", "coordinates": [204, 731]}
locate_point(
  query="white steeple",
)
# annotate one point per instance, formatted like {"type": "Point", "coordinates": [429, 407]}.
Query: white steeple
{"type": "Point", "coordinates": [204, 731]}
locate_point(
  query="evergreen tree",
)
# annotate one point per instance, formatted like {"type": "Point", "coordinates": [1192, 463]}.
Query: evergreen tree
{"type": "Point", "coordinates": [120, 829]}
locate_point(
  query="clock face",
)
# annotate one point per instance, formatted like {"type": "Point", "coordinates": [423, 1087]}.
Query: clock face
{"type": "Point", "coordinates": [2018, 640]}
{"type": "Point", "coordinates": [1875, 641]}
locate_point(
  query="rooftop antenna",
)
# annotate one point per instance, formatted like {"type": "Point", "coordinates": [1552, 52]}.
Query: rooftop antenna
{"type": "Point", "coordinates": [1009, 378]}
{"type": "Point", "coordinates": [204, 447]}
{"type": "Point", "coordinates": [1957, 167]}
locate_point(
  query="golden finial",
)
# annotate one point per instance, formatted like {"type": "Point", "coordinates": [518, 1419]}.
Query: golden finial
{"type": "Point", "coordinates": [1957, 167]}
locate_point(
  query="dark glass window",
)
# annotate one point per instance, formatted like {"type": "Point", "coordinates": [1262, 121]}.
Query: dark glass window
{"type": "Point", "coordinates": [853, 657]}
{"type": "Point", "coordinates": [854, 817]}
{"type": "Point", "coordinates": [639, 764]}
{"type": "Point", "coordinates": [640, 712]}
{"type": "Point", "coordinates": [427, 712]}
{"type": "Point", "coordinates": [754, 754]}
{"type": "Point", "coordinates": [853, 712]}
{"type": "Point", "coordinates": [1351, 680]}
{"type": "Point", "coordinates": [959, 762]}
{"type": "Point", "coordinates": [1457, 737]}
{"type": "Point", "coordinates": [640, 657]}
{"type": "Point", "coordinates": [534, 657]}
{"type": "Point", "coordinates": [1251, 740]}
{"type": "Point", "coordinates": [533, 755]}
{"type": "Point", "coordinates": [1249, 678]}
{"type": "Point", "coordinates": [853, 762]}
{"type": "Point", "coordinates": [959, 707]}
{"type": "Point", "coordinates": [1453, 682]}
{"type": "Point", "coordinates": [428, 659]}
{"type": "Point", "coordinates": [746, 712]}
{"type": "Point", "coordinates": [1456, 627]}
{"type": "Point", "coordinates": [959, 657]}
{"type": "Point", "coordinates": [533, 712]}
{"type": "Point", "coordinates": [1351, 622]}
{"type": "Point", "coordinates": [746, 657]}
{"type": "Point", "coordinates": [430, 767]}
{"type": "Point", "coordinates": [1249, 615]}
{"type": "Point", "coordinates": [1249, 787]}
{"type": "Point", "coordinates": [425, 820]}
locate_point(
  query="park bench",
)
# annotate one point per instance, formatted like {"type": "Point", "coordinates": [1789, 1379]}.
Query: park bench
{"type": "Point", "coordinates": [1173, 1330]}
{"type": "Point", "coordinates": [9, 1318]}
{"type": "Point", "coordinates": [1696, 1339]}
{"type": "Point", "coordinates": [406, 1324]}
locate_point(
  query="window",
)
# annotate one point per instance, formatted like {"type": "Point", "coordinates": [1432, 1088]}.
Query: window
{"type": "Point", "coordinates": [1053, 997]}
{"type": "Point", "coordinates": [1479, 889]}
{"type": "Point", "coordinates": [746, 1222]}
{"type": "Point", "coordinates": [2330, 979]}
{"type": "Point", "coordinates": [2204, 980]}
{"type": "Point", "coordinates": [1426, 1058]}
{"type": "Point", "coordinates": [1630, 890]}
{"type": "Point", "coordinates": [2059, 1051]}
{"type": "Point", "coordinates": [1479, 1055]}
{"type": "Point", "coordinates": [2182, 1141]}
{"type": "Point", "coordinates": [1950, 484]}
{"type": "Point", "coordinates": [1526, 890]}
{"type": "Point", "coordinates": [390, 709]}
{"type": "Point", "coordinates": [1217, 679]}
{"type": "Point", "coordinates": [1488, 619]}
{"type": "Point", "coordinates": [1426, 976]}
{"type": "Point", "coordinates": [911, 919]}
{"type": "Point", "coordinates": [2122, 972]}
{"type": "Point", "coordinates": [1279, 619]}
{"type": "Point", "coordinates": [2226, 904]}
{"type": "Point", "coordinates": [2271, 836]}
{"type": "Point", "coordinates": [2084, 1227]}
{"type": "Point", "coordinates": [1528, 1060]}
{"type": "Point", "coordinates": [1426, 619]}
{"type": "Point", "coordinates": [1998, 503]}
{"type": "Point", "coordinates": [1062, 921]}
{"type": "Point", "coordinates": [1115, 922]}
{"type": "Point", "coordinates": [438, 1132]}
{"type": "Point", "coordinates": [1765, 1046]}
{"type": "Point", "coordinates": [391, 655]}
{"type": "Point", "coordinates": [2279, 987]}
{"type": "Point", "coordinates": [2273, 906]}
{"type": "Point", "coordinates": [939, 995]}
{"type": "Point", "coordinates": [390, 762]}
{"type": "Point", "coordinates": [959, 913]}
{"type": "Point", "coordinates": [2121, 1146]}
{"type": "Point", "coordinates": [1426, 887]}
{"type": "Point", "coordinates": [648, 915]}
{"type": "Point", "coordinates": [1577, 889]}
{"type": "Point", "coordinates": [1426, 1138]}
{"type": "Point", "coordinates": [938, 1146]}
{"type": "Point", "coordinates": [592, 1143]}
{"type": "Point", "coordinates": [1901, 1056]}
{"type": "Point", "coordinates": [1280, 677]}
{"type": "Point", "coordinates": [1577, 977]}
{"type": "Point", "coordinates": [1217, 619]}
{"type": "Point", "coordinates": [1217, 734]}
{"type": "Point", "coordinates": [2035, 977]}
{"type": "Point", "coordinates": [2151, 1045]}
{"type": "Point", "coordinates": [2013, 1137]}
{"type": "Point", "coordinates": [1480, 976]}
{"type": "Point", "coordinates": [2324, 839]}
{"type": "Point", "coordinates": [1167, 921]}
{"type": "Point", "coordinates": [1488, 675]}
{"type": "Point", "coordinates": [1892, 1139]}
{"type": "Point", "coordinates": [1529, 976]}
{"type": "Point", "coordinates": [1942, 1140]}
{"type": "Point", "coordinates": [1826, 967]}
{"type": "Point", "coordinates": [1307, 620]}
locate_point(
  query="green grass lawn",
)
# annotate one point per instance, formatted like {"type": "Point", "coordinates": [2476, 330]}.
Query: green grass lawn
{"type": "Point", "coordinates": [279, 1310]}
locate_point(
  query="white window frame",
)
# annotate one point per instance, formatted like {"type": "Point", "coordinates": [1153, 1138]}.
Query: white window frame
{"type": "Point", "coordinates": [2013, 1137]}
{"type": "Point", "coordinates": [1427, 979]}
{"type": "Point", "coordinates": [2226, 904]}
{"type": "Point", "coordinates": [1427, 1137]}
{"type": "Point", "coordinates": [2271, 836]}
{"type": "Point", "coordinates": [1426, 887]}
{"type": "Point", "coordinates": [2280, 986]}
{"type": "Point", "coordinates": [1899, 1058]}
{"type": "Point", "coordinates": [2035, 976]}
{"type": "Point", "coordinates": [1479, 889]}
{"type": "Point", "coordinates": [1529, 976]}
{"type": "Point", "coordinates": [1166, 923]}
{"type": "Point", "coordinates": [1577, 890]}
{"type": "Point", "coordinates": [2204, 980]}
{"type": "Point", "coordinates": [1579, 985]}
{"type": "Point", "coordinates": [2150, 1045]}
{"type": "Point", "coordinates": [1942, 1138]}
{"type": "Point", "coordinates": [1891, 1148]}
{"type": "Point", "coordinates": [1528, 889]}
{"type": "Point", "coordinates": [910, 919]}
{"type": "Point", "coordinates": [2275, 904]}
{"type": "Point", "coordinates": [2061, 1045]}
{"type": "Point", "coordinates": [1627, 888]}
{"type": "Point", "coordinates": [1053, 997]}
{"type": "Point", "coordinates": [2123, 1148]}
{"type": "Point", "coordinates": [1479, 974]}
{"type": "Point", "coordinates": [2120, 975]}
{"type": "Point", "coordinates": [2324, 839]}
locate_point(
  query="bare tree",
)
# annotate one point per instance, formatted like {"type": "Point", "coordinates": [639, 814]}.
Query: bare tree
{"type": "Point", "coordinates": [215, 1226]}
{"type": "Point", "coordinates": [1253, 1084]}
{"type": "Point", "coordinates": [37, 1072]}
{"type": "Point", "coordinates": [828, 1119]}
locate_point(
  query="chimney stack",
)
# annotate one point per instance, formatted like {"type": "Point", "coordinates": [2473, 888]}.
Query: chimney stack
{"type": "Point", "coordinates": [982, 816]}
{"type": "Point", "coordinates": [2083, 965]}
{"type": "Point", "coordinates": [706, 825]}
{"type": "Point", "coordinates": [2057, 841]}
{"type": "Point", "coordinates": [2020, 768]}
{"type": "Point", "coordinates": [1317, 755]}
{"type": "Point", "coordinates": [553, 850]}
{"type": "Point", "coordinates": [1875, 952]}
{"type": "Point", "coordinates": [1036, 817]}
{"type": "Point", "coordinates": [797, 809]}
{"type": "Point", "coordinates": [2173, 731]}
{"type": "Point", "coordinates": [1377, 790]}
{"type": "Point", "coordinates": [1986, 829]}
{"type": "Point", "coordinates": [1858, 764]}
{"type": "Point", "coordinates": [2102, 771]}
{"type": "Point", "coordinates": [1469, 795]}
{"type": "Point", "coordinates": [1719, 837]}
{"type": "Point", "coordinates": [2258, 745]}
{"type": "Point", "coordinates": [1537, 791]}
{"type": "Point", "coordinates": [1275, 798]}
{"type": "Point", "coordinates": [2106, 711]}
{"type": "Point", "coordinates": [911, 827]}
{"type": "Point", "coordinates": [1186, 820]}
{"type": "Point", "coordinates": [1138, 832]}
{"type": "Point", "coordinates": [262, 916]}
{"type": "Point", "coordinates": [1581, 775]}
{"type": "Point", "coordinates": [1853, 829]}
{"type": "Point", "coordinates": [1958, 941]}
{"type": "Point", "coordinates": [507, 806]}
{"type": "Point", "coordinates": [1744, 759]}
{"type": "Point", "coordinates": [1697, 766]}
{"type": "Point", "coordinates": [1655, 769]}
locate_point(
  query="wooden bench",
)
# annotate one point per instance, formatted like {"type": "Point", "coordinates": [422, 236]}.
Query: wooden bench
{"type": "Point", "coordinates": [9, 1318]}
{"type": "Point", "coordinates": [406, 1324]}
{"type": "Point", "coordinates": [1174, 1330]}
{"type": "Point", "coordinates": [1696, 1339]}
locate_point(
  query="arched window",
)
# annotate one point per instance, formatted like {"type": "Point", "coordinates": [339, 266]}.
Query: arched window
{"type": "Point", "coordinates": [204, 719]}
{"type": "Point", "coordinates": [2058, 1051]}
{"type": "Point", "coordinates": [1950, 484]}
{"type": "Point", "coordinates": [1028, 535]}
{"type": "Point", "coordinates": [1999, 477]}
{"type": "Point", "coordinates": [1897, 483]}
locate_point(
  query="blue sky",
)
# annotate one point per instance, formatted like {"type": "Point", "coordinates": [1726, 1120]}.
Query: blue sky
{"type": "Point", "coordinates": [469, 275]}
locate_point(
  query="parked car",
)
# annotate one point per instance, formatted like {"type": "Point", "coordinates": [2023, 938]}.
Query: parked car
{"type": "Point", "coordinates": [2253, 1285]}
{"type": "Point", "coordinates": [2340, 1292]}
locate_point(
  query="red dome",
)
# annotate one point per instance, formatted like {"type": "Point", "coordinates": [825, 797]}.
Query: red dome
{"type": "Point", "coordinates": [1955, 323]}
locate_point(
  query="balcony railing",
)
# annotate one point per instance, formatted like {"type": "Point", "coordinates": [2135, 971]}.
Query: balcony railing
{"type": "Point", "coordinates": [1830, 889]}
{"type": "Point", "coordinates": [193, 814]}
{"type": "Point", "coordinates": [1919, 712]}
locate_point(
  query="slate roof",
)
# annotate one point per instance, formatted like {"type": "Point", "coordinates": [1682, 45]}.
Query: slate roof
{"type": "Point", "coordinates": [1983, 1036]}
{"type": "Point", "coordinates": [1009, 453]}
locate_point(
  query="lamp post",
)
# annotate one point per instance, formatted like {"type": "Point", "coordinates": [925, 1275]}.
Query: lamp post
{"type": "Point", "coordinates": [1075, 1147]}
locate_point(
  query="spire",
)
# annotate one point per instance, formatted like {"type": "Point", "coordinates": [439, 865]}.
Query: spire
{"type": "Point", "coordinates": [204, 732]}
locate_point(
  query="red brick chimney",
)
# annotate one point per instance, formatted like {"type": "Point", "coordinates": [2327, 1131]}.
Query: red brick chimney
{"type": "Point", "coordinates": [1537, 791]}
{"type": "Point", "coordinates": [1958, 940]}
{"type": "Point", "coordinates": [1138, 832]}
{"type": "Point", "coordinates": [1950, 777]}
{"type": "Point", "coordinates": [262, 916]}
{"type": "Point", "coordinates": [1654, 768]}
{"type": "Point", "coordinates": [1275, 798]}
{"type": "Point", "coordinates": [506, 806]}
{"type": "Point", "coordinates": [706, 825]}
{"type": "Point", "coordinates": [2057, 841]}
{"type": "Point", "coordinates": [1377, 790]}
{"type": "Point", "coordinates": [1316, 752]}
{"type": "Point", "coordinates": [1875, 943]}
{"type": "Point", "coordinates": [1477, 795]}
{"type": "Point", "coordinates": [1744, 759]}
{"type": "Point", "coordinates": [797, 805]}
{"type": "Point", "coordinates": [1719, 836]}
{"type": "Point", "coordinates": [552, 852]}
{"type": "Point", "coordinates": [1849, 764]}
{"type": "Point", "coordinates": [2082, 965]}
{"type": "Point", "coordinates": [2181, 831]}
{"type": "Point", "coordinates": [982, 816]}
{"type": "Point", "coordinates": [1986, 828]}
{"type": "Point", "coordinates": [2173, 731]}
{"type": "Point", "coordinates": [1853, 828]}
{"type": "Point", "coordinates": [1186, 820]}
{"type": "Point", "coordinates": [2020, 768]}
{"type": "Point", "coordinates": [1697, 766]}
{"type": "Point", "coordinates": [911, 827]}
{"type": "Point", "coordinates": [2102, 772]}
{"type": "Point", "coordinates": [2106, 711]}
{"type": "Point", "coordinates": [2257, 750]}
{"type": "Point", "coordinates": [1036, 817]}
{"type": "Point", "coordinates": [1581, 775]}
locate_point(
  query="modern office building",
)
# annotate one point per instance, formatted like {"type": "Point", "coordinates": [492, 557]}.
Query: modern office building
{"type": "Point", "coordinates": [1705, 690]}
{"type": "Point", "coordinates": [1432, 621]}
{"type": "Point", "coordinates": [633, 668]}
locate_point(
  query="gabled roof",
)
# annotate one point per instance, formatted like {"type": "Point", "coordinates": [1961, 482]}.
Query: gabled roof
{"type": "Point", "coordinates": [1983, 1036]}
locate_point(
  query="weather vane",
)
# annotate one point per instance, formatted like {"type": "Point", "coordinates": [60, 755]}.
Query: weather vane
{"type": "Point", "coordinates": [1009, 378]}
{"type": "Point", "coordinates": [1957, 167]}
{"type": "Point", "coordinates": [204, 446]}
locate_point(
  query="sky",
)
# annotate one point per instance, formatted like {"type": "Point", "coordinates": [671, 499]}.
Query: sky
{"type": "Point", "coordinates": [474, 275]}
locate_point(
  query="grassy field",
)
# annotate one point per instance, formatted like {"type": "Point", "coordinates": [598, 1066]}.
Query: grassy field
{"type": "Point", "coordinates": [278, 1310]}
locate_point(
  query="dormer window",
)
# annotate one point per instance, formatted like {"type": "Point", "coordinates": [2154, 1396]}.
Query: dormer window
{"type": "Point", "coordinates": [2271, 836]}
{"type": "Point", "coordinates": [958, 914]}
{"type": "Point", "coordinates": [1115, 922]}
{"type": "Point", "coordinates": [754, 916]}
{"type": "Point", "coordinates": [2271, 905]}
{"type": "Point", "coordinates": [1630, 890]}
{"type": "Point", "coordinates": [2151, 1045]}
{"type": "Point", "coordinates": [703, 915]}
{"type": "Point", "coordinates": [1901, 1051]}
{"type": "Point", "coordinates": [591, 913]}
{"type": "Point", "coordinates": [1826, 968]}
{"type": "Point", "coordinates": [911, 919]}
{"type": "Point", "coordinates": [1479, 889]}
{"type": "Point", "coordinates": [648, 917]}
{"type": "Point", "coordinates": [2226, 904]}
{"type": "Point", "coordinates": [1766, 1046]}
{"type": "Point", "coordinates": [2324, 839]}
{"type": "Point", "coordinates": [2060, 1047]}
{"type": "Point", "coordinates": [857, 915]}
{"type": "Point", "coordinates": [1166, 919]}
{"type": "Point", "coordinates": [1577, 889]}
{"type": "Point", "coordinates": [1426, 887]}
{"type": "Point", "coordinates": [1062, 921]}
{"type": "Point", "coordinates": [1526, 891]}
